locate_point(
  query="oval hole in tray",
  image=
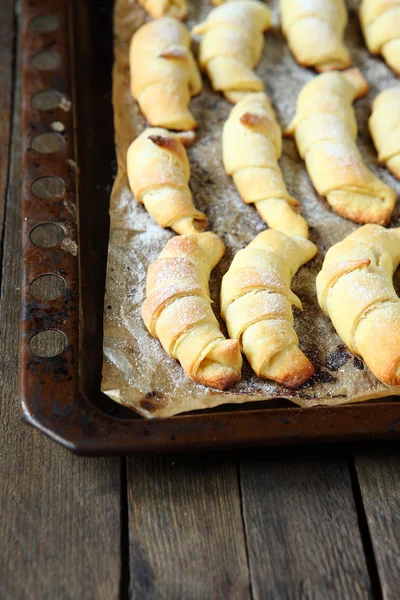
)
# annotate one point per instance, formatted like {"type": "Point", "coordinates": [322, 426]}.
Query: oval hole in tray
{"type": "Point", "coordinates": [47, 235]}
{"type": "Point", "coordinates": [46, 60]}
{"type": "Point", "coordinates": [48, 187]}
{"type": "Point", "coordinates": [48, 343]}
{"type": "Point", "coordinates": [47, 143]}
{"type": "Point", "coordinates": [48, 287]}
{"type": "Point", "coordinates": [46, 99]}
{"type": "Point", "coordinates": [44, 24]}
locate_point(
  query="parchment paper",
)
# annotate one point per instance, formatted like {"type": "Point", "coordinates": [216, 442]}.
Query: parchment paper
{"type": "Point", "coordinates": [136, 370]}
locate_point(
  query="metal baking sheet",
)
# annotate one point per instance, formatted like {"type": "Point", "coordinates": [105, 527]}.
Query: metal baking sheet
{"type": "Point", "coordinates": [60, 395]}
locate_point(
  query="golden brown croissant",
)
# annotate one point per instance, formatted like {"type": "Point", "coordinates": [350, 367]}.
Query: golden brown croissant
{"type": "Point", "coordinates": [164, 74]}
{"type": "Point", "coordinates": [256, 304]}
{"type": "Point", "coordinates": [380, 22]}
{"type": "Point", "coordinates": [252, 145]}
{"type": "Point", "coordinates": [384, 125]}
{"type": "Point", "coordinates": [231, 46]}
{"type": "Point", "coordinates": [170, 8]}
{"type": "Point", "coordinates": [325, 129]}
{"type": "Point", "coordinates": [159, 172]}
{"type": "Point", "coordinates": [178, 312]}
{"type": "Point", "coordinates": [355, 289]}
{"type": "Point", "coordinates": [314, 30]}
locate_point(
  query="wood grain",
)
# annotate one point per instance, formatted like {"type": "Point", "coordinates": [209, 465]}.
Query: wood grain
{"type": "Point", "coordinates": [301, 526]}
{"type": "Point", "coordinates": [378, 471]}
{"type": "Point", "coordinates": [186, 529]}
{"type": "Point", "coordinates": [6, 73]}
{"type": "Point", "coordinates": [59, 515]}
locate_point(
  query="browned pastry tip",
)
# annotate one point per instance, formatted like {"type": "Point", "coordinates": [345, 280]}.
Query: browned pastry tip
{"type": "Point", "coordinates": [178, 312]}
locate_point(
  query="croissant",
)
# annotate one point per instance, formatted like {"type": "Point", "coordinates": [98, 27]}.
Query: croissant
{"type": "Point", "coordinates": [231, 46]}
{"type": "Point", "coordinates": [178, 312]}
{"type": "Point", "coordinates": [314, 30]}
{"type": "Point", "coordinates": [256, 304]}
{"type": "Point", "coordinates": [160, 8]}
{"type": "Point", "coordinates": [355, 290]}
{"type": "Point", "coordinates": [164, 74]}
{"type": "Point", "coordinates": [158, 172]}
{"type": "Point", "coordinates": [252, 145]}
{"type": "Point", "coordinates": [380, 22]}
{"type": "Point", "coordinates": [325, 129]}
{"type": "Point", "coordinates": [384, 125]}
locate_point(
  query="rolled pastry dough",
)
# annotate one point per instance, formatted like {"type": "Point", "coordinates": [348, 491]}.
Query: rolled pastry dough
{"type": "Point", "coordinates": [178, 312]}
{"type": "Point", "coordinates": [355, 289]}
{"type": "Point", "coordinates": [256, 304]}
{"type": "Point", "coordinates": [314, 30]}
{"type": "Point", "coordinates": [159, 172]}
{"type": "Point", "coordinates": [161, 8]}
{"type": "Point", "coordinates": [252, 146]}
{"type": "Point", "coordinates": [384, 125]}
{"type": "Point", "coordinates": [325, 129]}
{"type": "Point", "coordinates": [231, 46]}
{"type": "Point", "coordinates": [380, 22]}
{"type": "Point", "coordinates": [164, 74]}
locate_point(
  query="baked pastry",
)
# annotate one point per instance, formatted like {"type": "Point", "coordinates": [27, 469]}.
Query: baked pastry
{"type": "Point", "coordinates": [252, 146]}
{"type": "Point", "coordinates": [355, 289]}
{"type": "Point", "coordinates": [178, 312]}
{"type": "Point", "coordinates": [256, 304]}
{"type": "Point", "coordinates": [159, 172]}
{"type": "Point", "coordinates": [380, 22]}
{"type": "Point", "coordinates": [231, 46]}
{"type": "Point", "coordinates": [314, 30]}
{"type": "Point", "coordinates": [161, 8]}
{"type": "Point", "coordinates": [164, 74]}
{"type": "Point", "coordinates": [384, 125]}
{"type": "Point", "coordinates": [325, 128]}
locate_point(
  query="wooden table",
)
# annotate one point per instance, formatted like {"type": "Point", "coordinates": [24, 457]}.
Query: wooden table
{"type": "Point", "coordinates": [300, 523]}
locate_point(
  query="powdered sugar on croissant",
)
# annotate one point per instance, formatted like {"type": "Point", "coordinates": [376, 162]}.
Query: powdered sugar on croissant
{"type": "Point", "coordinates": [252, 146]}
{"type": "Point", "coordinates": [314, 30]}
{"type": "Point", "coordinates": [159, 172]}
{"type": "Point", "coordinates": [178, 312]}
{"type": "Point", "coordinates": [355, 289]}
{"type": "Point", "coordinates": [164, 74]}
{"type": "Point", "coordinates": [325, 129]}
{"type": "Point", "coordinates": [231, 46]}
{"type": "Point", "coordinates": [380, 22]}
{"type": "Point", "coordinates": [384, 125]}
{"type": "Point", "coordinates": [256, 304]}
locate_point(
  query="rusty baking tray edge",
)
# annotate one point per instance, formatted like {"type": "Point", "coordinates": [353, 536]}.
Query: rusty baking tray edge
{"type": "Point", "coordinates": [60, 396]}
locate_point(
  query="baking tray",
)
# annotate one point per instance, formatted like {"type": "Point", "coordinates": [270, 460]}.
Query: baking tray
{"type": "Point", "coordinates": [67, 47]}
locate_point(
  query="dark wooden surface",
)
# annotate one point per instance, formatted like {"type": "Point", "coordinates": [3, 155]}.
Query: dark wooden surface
{"type": "Point", "coordinates": [311, 523]}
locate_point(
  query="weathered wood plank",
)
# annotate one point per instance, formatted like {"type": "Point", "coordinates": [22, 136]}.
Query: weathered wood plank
{"type": "Point", "coordinates": [186, 529]}
{"type": "Point", "coordinates": [378, 471]}
{"type": "Point", "coordinates": [301, 526]}
{"type": "Point", "coordinates": [6, 71]}
{"type": "Point", "coordinates": [59, 515]}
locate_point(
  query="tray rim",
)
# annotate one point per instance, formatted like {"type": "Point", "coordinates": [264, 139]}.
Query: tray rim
{"type": "Point", "coordinates": [57, 406]}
